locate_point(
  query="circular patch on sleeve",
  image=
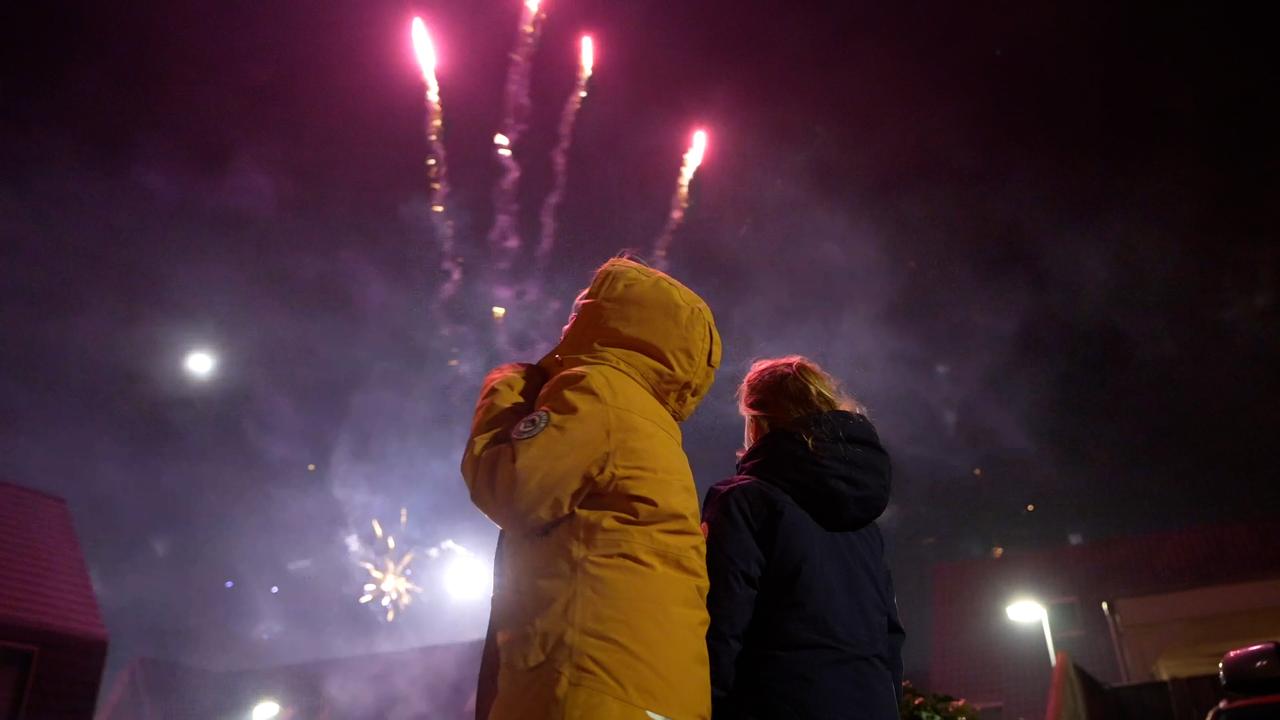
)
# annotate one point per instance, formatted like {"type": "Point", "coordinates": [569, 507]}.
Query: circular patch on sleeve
{"type": "Point", "coordinates": [531, 425]}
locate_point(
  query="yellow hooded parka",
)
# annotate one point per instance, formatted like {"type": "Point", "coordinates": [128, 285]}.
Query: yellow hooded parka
{"type": "Point", "coordinates": [600, 600]}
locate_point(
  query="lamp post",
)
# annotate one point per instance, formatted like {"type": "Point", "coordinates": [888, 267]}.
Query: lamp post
{"type": "Point", "coordinates": [1029, 611]}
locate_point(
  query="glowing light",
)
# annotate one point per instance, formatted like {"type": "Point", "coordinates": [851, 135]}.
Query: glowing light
{"type": "Point", "coordinates": [311, 467]}
{"type": "Point", "coordinates": [467, 577]}
{"type": "Point", "coordinates": [265, 710]}
{"type": "Point", "coordinates": [532, 5]}
{"type": "Point", "coordinates": [1031, 507]}
{"type": "Point", "coordinates": [200, 364]}
{"type": "Point", "coordinates": [275, 589]}
{"type": "Point", "coordinates": [425, 51]}
{"type": "Point", "coordinates": [229, 584]}
{"type": "Point", "coordinates": [693, 158]}
{"type": "Point", "coordinates": [587, 59]}
{"type": "Point", "coordinates": [1029, 611]}
{"type": "Point", "coordinates": [997, 552]}
{"type": "Point", "coordinates": [499, 312]}
{"type": "Point", "coordinates": [504, 144]}
{"type": "Point", "coordinates": [1026, 611]}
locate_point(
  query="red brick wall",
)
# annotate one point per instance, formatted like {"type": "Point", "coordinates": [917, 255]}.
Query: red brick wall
{"type": "Point", "coordinates": [980, 655]}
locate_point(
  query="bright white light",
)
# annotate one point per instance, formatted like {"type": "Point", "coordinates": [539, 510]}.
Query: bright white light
{"type": "Point", "coordinates": [698, 147]}
{"type": "Point", "coordinates": [423, 49]}
{"type": "Point", "coordinates": [265, 710]}
{"type": "Point", "coordinates": [1026, 611]}
{"type": "Point", "coordinates": [200, 364]}
{"type": "Point", "coordinates": [587, 58]}
{"type": "Point", "coordinates": [468, 578]}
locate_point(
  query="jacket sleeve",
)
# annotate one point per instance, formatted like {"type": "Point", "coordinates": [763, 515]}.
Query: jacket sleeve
{"type": "Point", "coordinates": [527, 468]}
{"type": "Point", "coordinates": [487, 682]}
{"type": "Point", "coordinates": [735, 566]}
{"type": "Point", "coordinates": [897, 636]}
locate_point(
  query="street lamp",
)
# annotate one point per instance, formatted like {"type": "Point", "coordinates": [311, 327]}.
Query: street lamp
{"type": "Point", "coordinates": [467, 577]}
{"type": "Point", "coordinates": [1029, 611]}
{"type": "Point", "coordinates": [200, 364]}
{"type": "Point", "coordinates": [265, 710]}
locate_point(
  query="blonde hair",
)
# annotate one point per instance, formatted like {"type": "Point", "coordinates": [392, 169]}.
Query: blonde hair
{"type": "Point", "coordinates": [778, 392]}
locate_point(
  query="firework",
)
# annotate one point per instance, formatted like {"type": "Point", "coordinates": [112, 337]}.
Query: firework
{"type": "Point", "coordinates": [437, 169]}
{"type": "Point", "coordinates": [560, 156]}
{"type": "Point", "coordinates": [389, 586]}
{"type": "Point", "coordinates": [680, 200]}
{"type": "Point", "coordinates": [504, 236]}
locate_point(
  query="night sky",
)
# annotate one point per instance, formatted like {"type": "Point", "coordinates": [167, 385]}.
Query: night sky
{"type": "Point", "coordinates": [1038, 242]}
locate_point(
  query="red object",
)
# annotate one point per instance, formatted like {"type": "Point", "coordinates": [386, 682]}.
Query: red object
{"type": "Point", "coordinates": [53, 643]}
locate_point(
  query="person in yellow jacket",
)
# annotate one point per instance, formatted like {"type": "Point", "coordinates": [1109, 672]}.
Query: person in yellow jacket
{"type": "Point", "coordinates": [600, 596]}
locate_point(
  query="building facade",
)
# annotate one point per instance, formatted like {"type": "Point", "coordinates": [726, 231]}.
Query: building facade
{"type": "Point", "coordinates": [53, 644]}
{"type": "Point", "coordinates": [979, 654]}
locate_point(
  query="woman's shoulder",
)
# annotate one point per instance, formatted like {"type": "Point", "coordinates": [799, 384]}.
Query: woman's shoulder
{"type": "Point", "coordinates": [738, 490]}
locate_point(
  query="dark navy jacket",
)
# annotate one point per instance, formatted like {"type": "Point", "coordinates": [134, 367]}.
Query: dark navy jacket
{"type": "Point", "coordinates": [804, 623]}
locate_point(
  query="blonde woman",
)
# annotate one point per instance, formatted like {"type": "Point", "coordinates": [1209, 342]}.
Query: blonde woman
{"type": "Point", "coordinates": [804, 623]}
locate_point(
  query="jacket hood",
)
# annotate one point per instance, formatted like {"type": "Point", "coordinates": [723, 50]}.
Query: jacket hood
{"type": "Point", "coordinates": [832, 465]}
{"type": "Point", "coordinates": [649, 326]}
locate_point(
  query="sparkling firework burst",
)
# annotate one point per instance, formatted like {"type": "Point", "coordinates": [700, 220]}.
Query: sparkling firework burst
{"type": "Point", "coordinates": [389, 587]}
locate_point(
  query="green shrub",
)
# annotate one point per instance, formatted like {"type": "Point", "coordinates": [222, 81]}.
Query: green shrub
{"type": "Point", "coordinates": [918, 705]}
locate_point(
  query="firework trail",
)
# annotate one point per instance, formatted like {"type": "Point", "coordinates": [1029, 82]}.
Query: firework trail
{"type": "Point", "coordinates": [680, 200]}
{"type": "Point", "coordinates": [560, 156]}
{"type": "Point", "coordinates": [437, 175]}
{"type": "Point", "coordinates": [504, 237]}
